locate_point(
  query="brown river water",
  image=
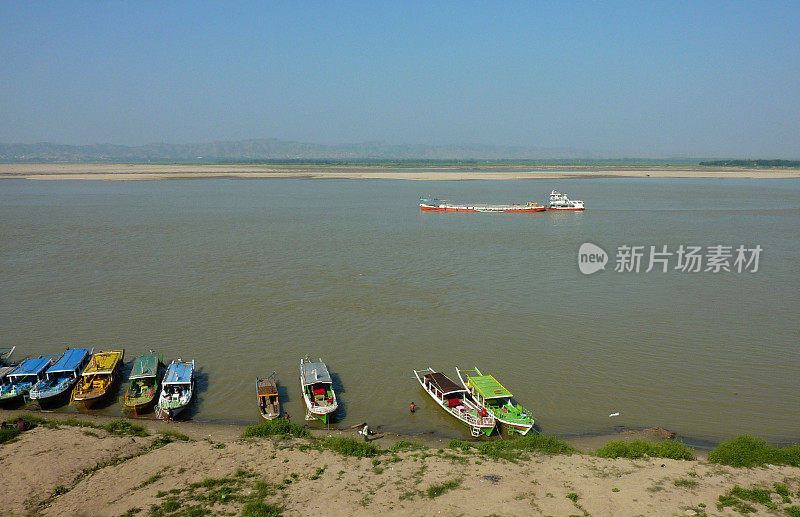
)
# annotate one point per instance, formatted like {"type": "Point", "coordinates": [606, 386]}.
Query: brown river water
{"type": "Point", "coordinates": [248, 276]}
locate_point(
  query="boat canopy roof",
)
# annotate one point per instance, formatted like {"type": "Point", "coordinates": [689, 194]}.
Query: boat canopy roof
{"type": "Point", "coordinates": [267, 387]}
{"type": "Point", "coordinates": [103, 362]}
{"type": "Point", "coordinates": [31, 367]}
{"type": "Point", "coordinates": [443, 383]}
{"type": "Point", "coordinates": [179, 373]}
{"type": "Point", "coordinates": [70, 361]}
{"type": "Point", "coordinates": [144, 366]}
{"type": "Point", "coordinates": [315, 372]}
{"type": "Point", "coordinates": [488, 387]}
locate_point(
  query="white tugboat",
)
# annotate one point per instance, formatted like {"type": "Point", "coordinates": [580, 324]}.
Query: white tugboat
{"type": "Point", "coordinates": [559, 201]}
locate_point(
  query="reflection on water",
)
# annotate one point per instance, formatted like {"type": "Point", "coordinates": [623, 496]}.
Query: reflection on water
{"type": "Point", "coordinates": [248, 276]}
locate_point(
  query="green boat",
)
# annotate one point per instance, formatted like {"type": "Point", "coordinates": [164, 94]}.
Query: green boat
{"type": "Point", "coordinates": [143, 387]}
{"type": "Point", "coordinates": [496, 399]}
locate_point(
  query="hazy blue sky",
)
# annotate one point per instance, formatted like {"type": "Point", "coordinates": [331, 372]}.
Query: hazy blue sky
{"type": "Point", "coordinates": [629, 78]}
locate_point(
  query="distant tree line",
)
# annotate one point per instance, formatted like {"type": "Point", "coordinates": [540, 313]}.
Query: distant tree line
{"type": "Point", "coordinates": [752, 163]}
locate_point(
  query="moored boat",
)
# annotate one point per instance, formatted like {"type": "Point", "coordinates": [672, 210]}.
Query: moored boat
{"type": "Point", "coordinates": [456, 400]}
{"type": "Point", "coordinates": [317, 388]}
{"type": "Point", "coordinates": [18, 383]}
{"type": "Point", "coordinates": [267, 394]}
{"type": "Point", "coordinates": [559, 201]}
{"type": "Point", "coordinates": [60, 378]}
{"type": "Point", "coordinates": [436, 205]}
{"type": "Point", "coordinates": [495, 398]}
{"type": "Point", "coordinates": [98, 378]}
{"type": "Point", "coordinates": [177, 389]}
{"type": "Point", "coordinates": [143, 388]}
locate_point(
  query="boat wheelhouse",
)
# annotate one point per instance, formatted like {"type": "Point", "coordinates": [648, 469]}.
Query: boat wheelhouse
{"type": "Point", "coordinates": [143, 388]}
{"type": "Point", "coordinates": [456, 400]}
{"type": "Point", "coordinates": [559, 201]}
{"type": "Point", "coordinates": [436, 205]}
{"type": "Point", "coordinates": [19, 382]}
{"type": "Point", "coordinates": [495, 398]}
{"type": "Point", "coordinates": [60, 378]}
{"type": "Point", "coordinates": [317, 387]}
{"type": "Point", "coordinates": [176, 389]}
{"type": "Point", "coordinates": [267, 394]}
{"type": "Point", "coordinates": [98, 378]}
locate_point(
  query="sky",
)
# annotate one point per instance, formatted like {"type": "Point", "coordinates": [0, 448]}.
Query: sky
{"type": "Point", "coordinates": [657, 78]}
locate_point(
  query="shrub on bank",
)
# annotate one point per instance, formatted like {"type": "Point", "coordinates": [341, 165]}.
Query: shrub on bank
{"type": "Point", "coordinates": [275, 428]}
{"type": "Point", "coordinates": [641, 448]}
{"type": "Point", "coordinates": [749, 451]}
{"type": "Point", "coordinates": [351, 447]}
{"type": "Point", "coordinates": [514, 449]}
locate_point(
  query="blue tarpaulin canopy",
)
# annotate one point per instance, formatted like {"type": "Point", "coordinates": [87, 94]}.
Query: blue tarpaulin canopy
{"type": "Point", "coordinates": [71, 359]}
{"type": "Point", "coordinates": [31, 367]}
{"type": "Point", "coordinates": [179, 373]}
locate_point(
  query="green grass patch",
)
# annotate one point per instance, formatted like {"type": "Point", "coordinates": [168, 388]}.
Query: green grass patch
{"type": "Point", "coordinates": [316, 475]}
{"type": "Point", "coordinates": [406, 445]}
{"type": "Point", "coordinates": [572, 496]}
{"type": "Point", "coordinates": [641, 448]}
{"type": "Point", "coordinates": [441, 488]}
{"type": "Point", "coordinates": [8, 433]}
{"type": "Point", "coordinates": [685, 483]}
{"type": "Point", "coordinates": [277, 427]}
{"type": "Point", "coordinates": [755, 495]}
{"type": "Point", "coordinates": [350, 447]}
{"type": "Point", "coordinates": [123, 427]}
{"type": "Point", "coordinates": [261, 509]}
{"type": "Point", "coordinates": [749, 451]}
{"type": "Point", "coordinates": [793, 511]}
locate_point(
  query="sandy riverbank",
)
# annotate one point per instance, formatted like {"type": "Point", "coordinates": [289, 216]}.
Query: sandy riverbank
{"type": "Point", "coordinates": [87, 471]}
{"type": "Point", "coordinates": [128, 172]}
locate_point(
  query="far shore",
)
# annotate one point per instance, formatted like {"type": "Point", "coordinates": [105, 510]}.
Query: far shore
{"type": "Point", "coordinates": [136, 172]}
{"type": "Point", "coordinates": [189, 468]}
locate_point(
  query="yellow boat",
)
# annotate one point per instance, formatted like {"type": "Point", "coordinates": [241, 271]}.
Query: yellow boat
{"type": "Point", "coordinates": [97, 379]}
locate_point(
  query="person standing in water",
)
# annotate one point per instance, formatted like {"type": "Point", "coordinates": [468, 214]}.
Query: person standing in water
{"type": "Point", "coordinates": [413, 407]}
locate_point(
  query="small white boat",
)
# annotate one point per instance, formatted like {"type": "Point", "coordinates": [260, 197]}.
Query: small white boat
{"type": "Point", "coordinates": [489, 394]}
{"type": "Point", "coordinates": [317, 388]}
{"type": "Point", "coordinates": [456, 400]}
{"type": "Point", "coordinates": [559, 201]}
{"type": "Point", "coordinates": [176, 389]}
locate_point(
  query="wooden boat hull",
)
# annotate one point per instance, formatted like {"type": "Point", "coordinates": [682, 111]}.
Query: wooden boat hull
{"type": "Point", "coordinates": [267, 398]}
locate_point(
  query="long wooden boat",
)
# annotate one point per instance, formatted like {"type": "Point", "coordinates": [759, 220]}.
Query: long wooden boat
{"type": "Point", "coordinates": [436, 205]}
{"type": "Point", "coordinates": [99, 378]}
{"type": "Point", "coordinates": [19, 382]}
{"type": "Point", "coordinates": [142, 391]}
{"type": "Point", "coordinates": [456, 400]}
{"type": "Point", "coordinates": [177, 389]}
{"type": "Point", "coordinates": [495, 398]}
{"type": "Point", "coordinates": [61, 378]}
{"type": "Point", "coordinates": [267, 394]}
{"type": "Point", "coordinates": [317, 388]}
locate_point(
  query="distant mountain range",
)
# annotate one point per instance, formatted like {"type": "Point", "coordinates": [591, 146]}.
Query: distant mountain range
{"type": "Point", "coordinates": [272, 149]}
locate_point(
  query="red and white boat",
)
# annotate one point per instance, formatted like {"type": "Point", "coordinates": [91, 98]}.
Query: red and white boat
{"type": "Point", "coordinates": [559, 201]}
{"type": "Point", "coordinates": [435, 205]}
